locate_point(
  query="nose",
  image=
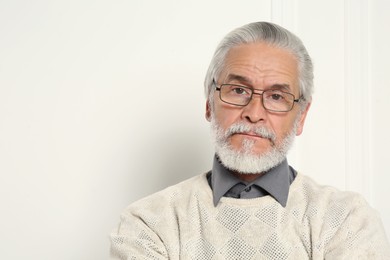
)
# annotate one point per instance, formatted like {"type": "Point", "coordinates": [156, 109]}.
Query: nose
{"type": "Point", "coordinates": [255, 111]}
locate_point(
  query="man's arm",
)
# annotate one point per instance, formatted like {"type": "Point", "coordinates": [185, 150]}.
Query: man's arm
{"type": "Point", "coordinates": [360, 236]}
{"type": "Point", "coordinates": [134, 239]}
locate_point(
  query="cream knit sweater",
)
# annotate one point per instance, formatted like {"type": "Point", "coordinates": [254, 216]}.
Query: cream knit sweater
{"type": "Point", "coordinates": [318, 222]}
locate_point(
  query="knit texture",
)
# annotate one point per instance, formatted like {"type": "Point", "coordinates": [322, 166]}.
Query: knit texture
{"type": "Point", "coordinates": [318, 222]}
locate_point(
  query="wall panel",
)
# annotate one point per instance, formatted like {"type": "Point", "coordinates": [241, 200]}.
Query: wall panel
{"type": "Point", "coordinates": [379, 42]}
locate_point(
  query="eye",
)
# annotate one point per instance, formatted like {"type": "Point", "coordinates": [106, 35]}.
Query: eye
{"type": "Point", "coordinates": [239, 91]}
{"type": "Point", "coordinates": [276, 97]}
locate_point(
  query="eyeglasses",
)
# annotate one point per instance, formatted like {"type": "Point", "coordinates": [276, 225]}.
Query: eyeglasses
{"type": "Point", "coordinates": [273, 100]}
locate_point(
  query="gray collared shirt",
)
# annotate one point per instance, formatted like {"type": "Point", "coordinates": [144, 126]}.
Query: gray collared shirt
{"type": "Point", "coordinates": [276, 183]}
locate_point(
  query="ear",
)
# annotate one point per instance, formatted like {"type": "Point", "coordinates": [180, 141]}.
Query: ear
{"type": "Point", "coordinates": [302, 119]}
{"type": "Point", "coordinates": [208, 111]}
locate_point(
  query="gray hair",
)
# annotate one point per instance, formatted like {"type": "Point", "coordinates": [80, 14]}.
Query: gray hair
{"type": "Point", "coordinates": [269, 33]}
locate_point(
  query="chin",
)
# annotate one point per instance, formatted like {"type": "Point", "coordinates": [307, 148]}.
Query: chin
{"type": "Point", "coordinates": [252, 148]}
{"type": "Point", "coordinates": [247, 162]}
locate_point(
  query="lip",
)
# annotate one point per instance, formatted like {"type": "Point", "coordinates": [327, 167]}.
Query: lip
{"type": "Point", "coordinates": [251, 135]}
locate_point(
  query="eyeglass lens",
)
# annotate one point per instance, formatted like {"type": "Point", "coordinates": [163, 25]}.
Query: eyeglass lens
{"type": "Point", "coordinates": [273, 99]}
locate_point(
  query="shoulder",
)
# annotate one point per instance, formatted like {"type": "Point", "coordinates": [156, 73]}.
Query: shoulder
{"type": "Point", "coordinates": [310, 190]}
{"type": "Point", "coordinates": [171, 197]}
{"type": "Point", "coordinates": [159, 215]}
{"type": "Point", "coordinates": [151, 223]}
{"type": "Point", "coordinates": [343, 221]}
{"type": "Point", "coordinates": [327, 206]}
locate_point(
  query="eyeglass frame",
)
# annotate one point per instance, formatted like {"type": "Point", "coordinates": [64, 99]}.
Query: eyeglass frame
{"type": "Point", "coordinates": [218, 88]}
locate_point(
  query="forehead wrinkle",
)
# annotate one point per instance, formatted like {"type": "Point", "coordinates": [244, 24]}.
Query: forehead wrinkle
{"type": "Point", "coordinates": [238, 71]}
{"type": "Point", "coordinates": [260, 66]}
{"type": "Point", "coordinates": [248, 82]}
{"type": "Point", "coordinates": [239, 78]}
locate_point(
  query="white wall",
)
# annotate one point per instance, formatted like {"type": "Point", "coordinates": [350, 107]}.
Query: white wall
{"type": "Point", "coordinates": [101, 103]}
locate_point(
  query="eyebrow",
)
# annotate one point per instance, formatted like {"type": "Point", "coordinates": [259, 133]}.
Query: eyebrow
{"type": "Point", "coordinates": [239, 78]}
{"type": "Point", "coordinates": [246, 81]}
{"type": "Point", "coordinates": [285, 87]}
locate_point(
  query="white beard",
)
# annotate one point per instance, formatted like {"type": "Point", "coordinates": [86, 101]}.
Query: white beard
{"type": "Point", "coordinates": [244, 161]}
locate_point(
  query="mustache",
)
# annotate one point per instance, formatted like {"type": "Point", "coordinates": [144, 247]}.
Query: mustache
{"type": "Point", "coordinates": [241, 128]}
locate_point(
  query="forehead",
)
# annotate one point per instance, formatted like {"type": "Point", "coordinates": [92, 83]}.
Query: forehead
{"type": "Point", "coordinates": [260, 64]}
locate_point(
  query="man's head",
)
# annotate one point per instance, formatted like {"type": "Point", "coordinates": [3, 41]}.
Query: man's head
{"type": "Point", "coordinates": [254, 129]}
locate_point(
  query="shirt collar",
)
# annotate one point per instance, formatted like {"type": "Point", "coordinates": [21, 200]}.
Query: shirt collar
{"type": "Point", "coordinates": [276, 181]}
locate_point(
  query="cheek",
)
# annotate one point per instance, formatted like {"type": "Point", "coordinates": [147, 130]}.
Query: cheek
{"type": "Point", "coordinates": [285, 128]}
{"type": "Point", "coordinates": [282, 128]}
{"type": "Point", "coordinates": [226, 116]}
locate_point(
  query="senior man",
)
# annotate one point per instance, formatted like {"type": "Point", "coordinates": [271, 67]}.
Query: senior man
{"type": "Point", "coordinates": [252, 204]}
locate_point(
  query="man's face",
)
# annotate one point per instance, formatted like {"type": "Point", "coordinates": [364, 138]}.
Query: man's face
{"type": "Point", "coordinates": [258, 66]}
